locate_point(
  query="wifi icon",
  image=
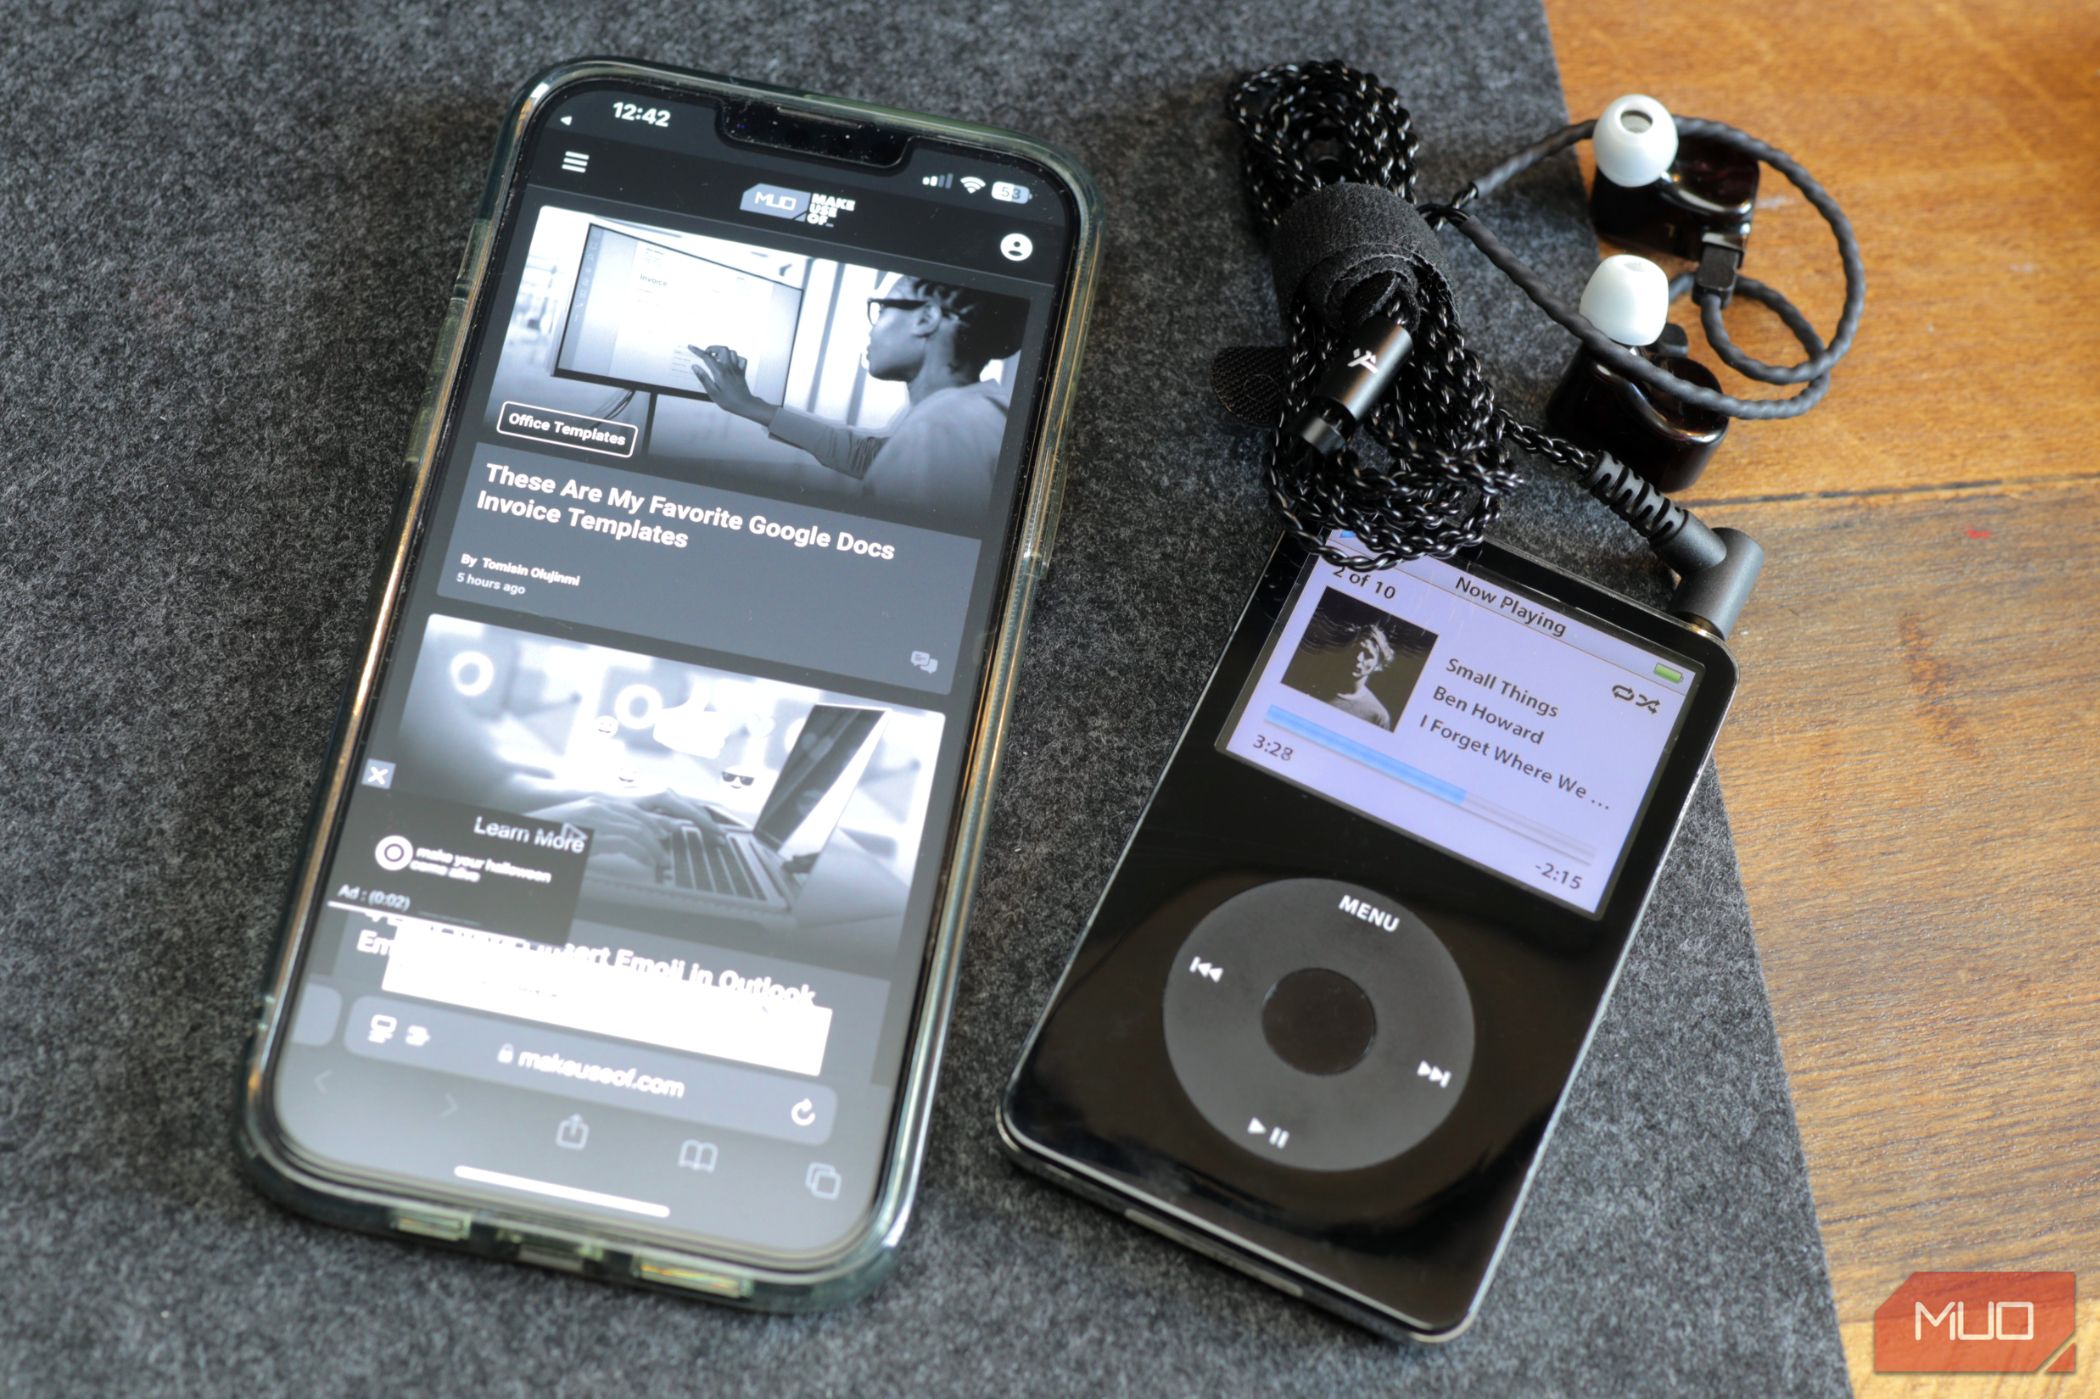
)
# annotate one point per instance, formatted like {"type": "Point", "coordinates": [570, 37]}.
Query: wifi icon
{"type": "Point", "coordinates": [972, 183]}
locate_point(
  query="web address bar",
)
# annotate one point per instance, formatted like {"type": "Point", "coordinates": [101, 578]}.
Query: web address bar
{"type": "Point", "coordinates": [509, 976]}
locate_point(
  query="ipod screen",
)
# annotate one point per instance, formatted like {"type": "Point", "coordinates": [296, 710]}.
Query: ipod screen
{"type": "Point", "coordinates": [1481, 718]}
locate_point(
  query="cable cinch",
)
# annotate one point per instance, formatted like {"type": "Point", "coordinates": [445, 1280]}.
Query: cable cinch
{"type": "Point", "coordinates": [1445, 439]}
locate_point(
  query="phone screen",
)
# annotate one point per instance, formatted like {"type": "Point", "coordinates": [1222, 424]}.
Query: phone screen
{"type": "Point", "coordinates": [1450, 704]}
{"type": "Point", "coordinates": [627, 908]}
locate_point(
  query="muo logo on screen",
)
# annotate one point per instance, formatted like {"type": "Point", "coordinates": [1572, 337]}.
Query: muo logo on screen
{"type": "Point", "coordinates": [821, 210]}
{"type": "Point", "coordinates": [1978, 1323]}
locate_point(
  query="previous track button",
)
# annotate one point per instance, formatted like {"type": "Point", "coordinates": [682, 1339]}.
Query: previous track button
{"type": "Point", "coordinates": [578, 430]}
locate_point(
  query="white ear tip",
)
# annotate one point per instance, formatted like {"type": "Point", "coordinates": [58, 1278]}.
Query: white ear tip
{"type": "Point", "coordinates": [1635, 141]}
{"type": "Point", "coordinates": [1628, 298]}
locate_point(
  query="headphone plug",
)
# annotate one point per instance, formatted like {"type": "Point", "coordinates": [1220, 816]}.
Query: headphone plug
{"type": "Point", "coordinates": [1716, 568]}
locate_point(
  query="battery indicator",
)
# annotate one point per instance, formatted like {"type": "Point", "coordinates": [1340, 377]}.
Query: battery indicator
{"type": "Point", "coordinates": [1674, 677]}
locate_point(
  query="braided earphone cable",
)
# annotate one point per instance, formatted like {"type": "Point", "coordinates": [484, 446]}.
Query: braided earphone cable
{"type": "Point", "coordinates": [1307, 126]}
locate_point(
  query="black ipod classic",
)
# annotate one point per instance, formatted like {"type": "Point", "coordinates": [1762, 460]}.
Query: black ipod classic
{"type": "Point", "coordinates": [1321, 1022]}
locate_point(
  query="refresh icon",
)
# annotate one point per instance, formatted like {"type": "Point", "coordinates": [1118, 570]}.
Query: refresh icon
{"type": "Point", "coordinates": [803, 1114]}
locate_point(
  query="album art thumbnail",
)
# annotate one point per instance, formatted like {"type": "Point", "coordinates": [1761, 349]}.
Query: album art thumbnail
{"type": "Point", "coordinates": [716, 802]}
{"type": "Point", "coordinates": [769, 371]}
{"type": "Point", "coordinates": [1359, 658]}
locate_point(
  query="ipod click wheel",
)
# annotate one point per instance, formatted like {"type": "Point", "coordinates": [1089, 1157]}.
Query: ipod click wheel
{"type": "Point", "coordinates": [1329, 1049]}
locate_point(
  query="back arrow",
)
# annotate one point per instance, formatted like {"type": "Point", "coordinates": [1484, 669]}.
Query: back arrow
{"type": "Point", "coordinates": [321, 1082]}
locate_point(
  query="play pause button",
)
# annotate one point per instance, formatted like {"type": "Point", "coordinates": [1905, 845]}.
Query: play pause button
{"type": "Point", "coordinates": [1277, 1136]}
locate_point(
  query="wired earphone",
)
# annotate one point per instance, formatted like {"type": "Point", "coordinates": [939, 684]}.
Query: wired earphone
{"type": "Point", "coordinates": [1376, 347]}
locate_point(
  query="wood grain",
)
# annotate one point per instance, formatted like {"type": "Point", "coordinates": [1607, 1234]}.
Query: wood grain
{"type": "Point", "coordinates": [1910, 776]}
{"type": "Point", "coordinates": [1911, 768]}
{"type": "Point", "coordinates": [1963, 140]}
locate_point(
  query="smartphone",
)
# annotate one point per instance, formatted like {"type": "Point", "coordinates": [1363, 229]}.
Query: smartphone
{"type": "Point", "coordinates": [628, 927]}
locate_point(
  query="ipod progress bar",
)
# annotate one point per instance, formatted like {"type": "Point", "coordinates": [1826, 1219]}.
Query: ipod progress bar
{"type": "Point", "coordinates": [1557, 841]}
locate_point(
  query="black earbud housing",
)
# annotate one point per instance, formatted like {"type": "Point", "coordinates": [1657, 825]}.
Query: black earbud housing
{"type": "Point", "coordinates": [1707, 196]}
{"type": "Point", "coordinates": [1667, 442]}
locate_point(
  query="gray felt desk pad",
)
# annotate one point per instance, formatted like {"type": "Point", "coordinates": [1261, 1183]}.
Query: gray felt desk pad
{"type": "Point", "coordinates": [227, 235]}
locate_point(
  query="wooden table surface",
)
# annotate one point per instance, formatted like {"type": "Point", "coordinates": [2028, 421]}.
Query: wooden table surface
{"type": "Point", "coordinates": [1911, 765]}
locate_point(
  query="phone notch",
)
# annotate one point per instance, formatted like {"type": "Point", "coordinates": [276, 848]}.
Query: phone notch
{"type": "Point", "coordinates": [813, 133]}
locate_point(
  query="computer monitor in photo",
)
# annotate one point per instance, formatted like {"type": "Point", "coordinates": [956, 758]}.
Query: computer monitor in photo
{"type": "Point", "coordinates": [639, 306]}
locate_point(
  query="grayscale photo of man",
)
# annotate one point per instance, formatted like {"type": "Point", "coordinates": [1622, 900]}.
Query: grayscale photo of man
{"type": "Point", "coordinates": [942, 452]}
{"type": "Point", "coordinates": [1360, 659]}
{"type": "Point", "coordinates": [763, 370]}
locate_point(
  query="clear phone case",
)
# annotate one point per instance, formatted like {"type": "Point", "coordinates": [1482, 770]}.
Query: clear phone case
{"type": "Point", "coordinates": [520, 1231]}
